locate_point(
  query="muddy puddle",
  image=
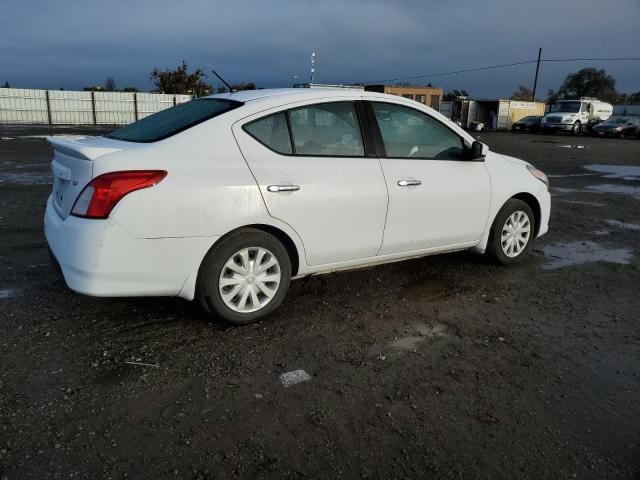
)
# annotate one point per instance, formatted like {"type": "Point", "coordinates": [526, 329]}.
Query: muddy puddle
{"type": "Point", "coordinates": [561, 255]}
{"type": "Point", "coordinates": [419, 333]}
{"type": "Point", "coordinates": [7, 293]}
{"type": "Point", "coordinates": [623, 225]}
{"type": "Point", "coordinates": [628, 190]}
{"type": "Point", "coordinates": [26, 178]}
{"type": "Point", "coordinates": [624, 172]}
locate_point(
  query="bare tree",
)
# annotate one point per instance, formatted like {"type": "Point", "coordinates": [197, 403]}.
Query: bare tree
{"type": "Point", "coordinates": [522, 93]}
{"type": "Point", "coordinates": [6, 85]}
{"type": "Point", "coordinates": [110, 85]}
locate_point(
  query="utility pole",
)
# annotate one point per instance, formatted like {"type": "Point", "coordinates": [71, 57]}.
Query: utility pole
{"type": "Point", "coordinates": [535, 82]}
{"type": "Point", "coordinates": [313, 65]}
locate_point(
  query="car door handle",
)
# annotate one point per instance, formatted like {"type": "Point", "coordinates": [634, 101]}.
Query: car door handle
{"type": "Point", "coordinates": [409, 183]}
{"type": "Point", "coordinates": [283, 188]}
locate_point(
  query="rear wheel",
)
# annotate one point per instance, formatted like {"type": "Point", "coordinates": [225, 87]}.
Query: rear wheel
{"type": "Point", "coordinates": [244, 277]}
{"type": "Point", "coordinates": [512, 232]}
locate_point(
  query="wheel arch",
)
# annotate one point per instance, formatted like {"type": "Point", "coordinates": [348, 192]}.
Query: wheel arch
{"type": "Point", "coordinates": [527, 198]}
{"type": "Point", "coordinates": [295, 251]}
{"type": "Point", "coordinates": [533, 203]}
{"type": "Point", "coordinates": [284, 238]}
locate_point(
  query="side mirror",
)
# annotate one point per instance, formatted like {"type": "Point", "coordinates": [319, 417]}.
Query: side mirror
{"type": "Point", "coordinates": [477, 152]}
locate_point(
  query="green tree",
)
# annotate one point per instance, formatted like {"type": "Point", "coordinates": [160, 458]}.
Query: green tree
{"type": "Point", "coordinates": [6, 85]}
{"type": "Point", "coordinates": [522, 93]}
{"type": "Point", "coordinates": [180, 81]}
{"type": "Point", "coordinates": [130, 89]}
{"type": "Point", "coordinates": [588, 82]}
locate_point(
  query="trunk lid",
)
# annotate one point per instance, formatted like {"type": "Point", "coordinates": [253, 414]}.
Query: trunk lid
{"type": "Point", "coordinates": [72, 166]}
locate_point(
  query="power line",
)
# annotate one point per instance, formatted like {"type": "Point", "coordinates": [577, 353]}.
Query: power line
{"type": "Point", "coordinates": [493, 67]}
{"type": "Point", "coordinates": [454, 72]}
{"type": "Point", "coordinates": [611, 59]}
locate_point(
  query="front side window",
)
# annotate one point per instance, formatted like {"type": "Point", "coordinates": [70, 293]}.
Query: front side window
{"type": "Point", "coordinates": [326, 129]}
{"type": "Point", "coordinates": [408, 133]}
{"type": "Point", "coordinates": [272, 132]}
{"type": "Point", "coordinates": [171, 121]}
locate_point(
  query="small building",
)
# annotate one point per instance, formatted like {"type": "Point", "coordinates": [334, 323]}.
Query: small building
{"type": "Point", "coordinates": [429, 96]}
{"type": "Point", "coordinates": [494, 114]}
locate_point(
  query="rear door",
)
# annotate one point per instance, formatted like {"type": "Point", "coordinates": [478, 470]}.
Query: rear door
{"type": "Point", "coordinates": [436, 197]}
{"type": "Point", "coordinates": [314, 173]}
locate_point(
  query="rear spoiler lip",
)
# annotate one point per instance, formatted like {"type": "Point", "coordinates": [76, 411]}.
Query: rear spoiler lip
{"type": "Point", "coordinates": [85, 148]}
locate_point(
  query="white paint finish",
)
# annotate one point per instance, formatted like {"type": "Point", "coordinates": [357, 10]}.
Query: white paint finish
{"type": "Point", "coordinates": [580, 252]}
{"type": "Point", "coordinates": [156, 238]}
{"type": "Point", "coordinates": [340, 208]}
{"type": "Point", "coordinates": [625, 172]}
{"type": "Point", "coordinates": [428, 215]}
{"type": "Point", "coordinates": [98, 257]}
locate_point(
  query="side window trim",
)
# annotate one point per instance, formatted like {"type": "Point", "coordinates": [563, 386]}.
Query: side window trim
{"type": "Point", "coordinates": [365, 125]}
{"type": "Point", "coordinates": [358, 119]}
{"type": "Point", "coordinates": [291, 145]}
{"type": "Point", "coordinates": [379, 142]}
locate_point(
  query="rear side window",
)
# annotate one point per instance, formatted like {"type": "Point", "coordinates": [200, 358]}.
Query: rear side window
{"type": "Point", "coordinates": [272, 132]}
{"type": "Point", "coordinates": [327, 130]}
{"type": "Point", "coordinates": [173, 120]}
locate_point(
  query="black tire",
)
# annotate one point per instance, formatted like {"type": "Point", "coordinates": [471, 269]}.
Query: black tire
{"type": "Point", "coordinates": [207, 289]}
{"type": "Point", "coordinates": [577, 128]}
{"type": "Point", "coordinates": [494, 247]}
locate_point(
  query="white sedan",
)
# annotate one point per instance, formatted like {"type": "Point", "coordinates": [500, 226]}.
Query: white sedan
{"type": "Point", "coordinates": [228, 197]}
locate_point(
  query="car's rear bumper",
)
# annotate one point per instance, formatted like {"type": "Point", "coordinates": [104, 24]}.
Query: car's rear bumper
{"type": "Point", "coordinates": [100, 258]}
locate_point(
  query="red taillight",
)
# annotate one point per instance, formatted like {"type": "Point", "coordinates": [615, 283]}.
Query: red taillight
{"type": "Point", "coordinates": [102, 193]}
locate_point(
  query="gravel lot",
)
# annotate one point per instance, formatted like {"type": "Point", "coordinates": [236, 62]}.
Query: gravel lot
{"type": "Point", "coordinates": [442, 367]}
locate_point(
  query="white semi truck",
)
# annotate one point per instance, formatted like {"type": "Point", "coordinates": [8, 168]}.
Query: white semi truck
{"type": "Point", "coordinates": [575, 116]}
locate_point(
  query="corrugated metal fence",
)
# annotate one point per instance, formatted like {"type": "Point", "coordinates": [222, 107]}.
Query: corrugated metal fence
{"type": "Point", "coordinates": [626, 110]}
{"type": "Point", "coordinates": [59, 107]}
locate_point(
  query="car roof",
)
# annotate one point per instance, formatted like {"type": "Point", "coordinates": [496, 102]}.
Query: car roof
{"type": "Point", "coordinates": [306, 93]}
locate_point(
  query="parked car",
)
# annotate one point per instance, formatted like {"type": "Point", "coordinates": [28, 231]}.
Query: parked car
{"type": "Point", "coordinates": [617, 127]}
{"type": "Point", "coordinates": [527, 124]}
{"type": "Point", "coordinates": [228, 197]}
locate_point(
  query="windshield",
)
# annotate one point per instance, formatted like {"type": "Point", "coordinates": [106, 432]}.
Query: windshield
{"type": "Point", "coordinates": [173, 120]}
{"type": "Point", "coordinates": [531, 118]}
{"type": "Point", "coordinates": [570, 107]}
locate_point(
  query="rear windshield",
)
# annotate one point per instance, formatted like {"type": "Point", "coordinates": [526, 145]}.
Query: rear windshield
{"type": "Point", "coordinates": [173, 120]}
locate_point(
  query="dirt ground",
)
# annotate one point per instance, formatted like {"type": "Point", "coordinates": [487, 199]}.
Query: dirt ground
{"type": "Point", "coordinates": [442, 367]}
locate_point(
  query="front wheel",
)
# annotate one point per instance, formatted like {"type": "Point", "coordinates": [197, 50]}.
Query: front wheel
{"type": "Point", "coordinates": [577, 128]}
{"type": "Point", "coordinates": [511, 233]}
{"type": "Point", "coordinates": [244, 277]}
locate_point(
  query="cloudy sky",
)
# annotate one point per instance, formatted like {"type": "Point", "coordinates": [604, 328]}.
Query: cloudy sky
{"type": "Point", "coordinates": [75, 43]}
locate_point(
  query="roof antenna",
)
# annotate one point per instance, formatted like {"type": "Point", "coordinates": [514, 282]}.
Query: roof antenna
{"type": "Point", "coordinates": [223, 81]}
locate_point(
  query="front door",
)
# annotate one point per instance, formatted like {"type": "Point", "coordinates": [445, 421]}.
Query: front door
{"type": "Point", "coordinates": [436, 197]}
{"type": "Point", "coordinates": [312, 170]}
